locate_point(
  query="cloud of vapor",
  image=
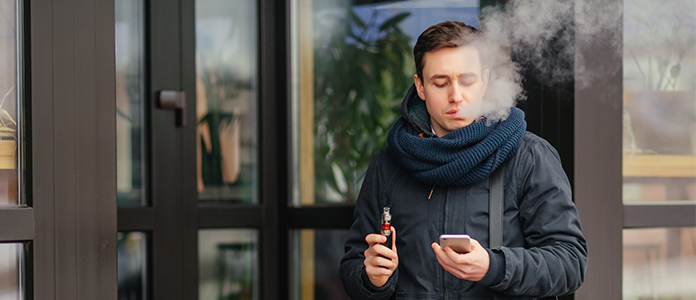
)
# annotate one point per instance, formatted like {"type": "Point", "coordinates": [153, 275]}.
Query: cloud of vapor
{"type": "Point", "coordinates": [537, 38]}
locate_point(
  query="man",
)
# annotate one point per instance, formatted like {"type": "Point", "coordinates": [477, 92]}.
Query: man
{"type": "Point", "coordinates": [434, 178]}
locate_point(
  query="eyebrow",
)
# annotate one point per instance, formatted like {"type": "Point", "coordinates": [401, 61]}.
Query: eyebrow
{"type": "Point", "coordinates": [464, 75]}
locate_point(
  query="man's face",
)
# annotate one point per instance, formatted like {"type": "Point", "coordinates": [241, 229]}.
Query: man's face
{"type": "Point", "coordinates": [452, 87]}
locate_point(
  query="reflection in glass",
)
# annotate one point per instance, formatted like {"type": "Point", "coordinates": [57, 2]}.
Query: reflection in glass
{"type": "Point", "coordinates": [11, 278]}
{"type": "Point", "coordinates": [9, 98]}
{"type": "Point", "coordinates": [659, 111]}
{"type": "Point", "coordinates": [226, 100]}
{"type": "Point", "coordinates": [132, 266]}
{"type": "Point", "coordinates": [228, 264]}
{"type": "Point", "coordinates": [352, 66]}
{"type": "Point", "coordinates": [317, 256]}
{"type": "Point", "coordinates": [130, 92]}
{"type": "Point", "coordinates": [659, 263]}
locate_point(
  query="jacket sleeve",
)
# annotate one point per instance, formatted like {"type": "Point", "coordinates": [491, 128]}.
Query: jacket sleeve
{"type": "Point", "coordinates": [554, 258]}
{"type": "Point", "coordinates": [366, 220]}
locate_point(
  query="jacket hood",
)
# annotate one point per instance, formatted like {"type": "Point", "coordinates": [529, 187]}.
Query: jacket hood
{"type": "Point", "coordinates": [414, 111]}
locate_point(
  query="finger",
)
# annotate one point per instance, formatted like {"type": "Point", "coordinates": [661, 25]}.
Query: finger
{"type": "Point", "coordinates": [439, 253]}
{"type": "Point", "coordinates": [393, 230]}
{"type": "Point", "coordinates": [454, 257]}
{"type": "Point", "coordinates": [382, 262]}
{"type": "Point", "coordinates": [446, 262]}
{"type": "Point", "coordinates": [476, 247]}
{"type": "Point", "coordinates": [475, 244]}
{"type": "Point", "coordinates": [443, 257]}
{"type": "Point", "coordinates": [435, 247]}
{"type": "Point", "coordinates": [382, 250]}
{"type": "Point", "coordinates": [374, 238]}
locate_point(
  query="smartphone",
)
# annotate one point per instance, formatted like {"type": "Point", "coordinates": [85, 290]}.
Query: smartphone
{"type": "Point", "coordinates": [460, 243]}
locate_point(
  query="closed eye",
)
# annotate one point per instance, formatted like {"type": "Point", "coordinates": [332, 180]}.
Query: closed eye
{"type": "Point", "coordinates": [468, 79]}
{"type": "Point", "coordinates": [441, 83]}
{"type": "Point", "coordinates": [467, 82]}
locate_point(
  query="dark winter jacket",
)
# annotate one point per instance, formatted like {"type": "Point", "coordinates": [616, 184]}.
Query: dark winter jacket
{"type": "Point", "coordinates": [544, 252]}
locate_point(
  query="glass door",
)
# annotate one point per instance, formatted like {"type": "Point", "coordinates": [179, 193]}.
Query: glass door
{"type": "Point", "coordinates": [152, 239]}
{"type": "Point", "coordinates": [197, 193]}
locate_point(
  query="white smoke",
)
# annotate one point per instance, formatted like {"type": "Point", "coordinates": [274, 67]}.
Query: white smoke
{"type": "Point", "coordinates": [540, 35]}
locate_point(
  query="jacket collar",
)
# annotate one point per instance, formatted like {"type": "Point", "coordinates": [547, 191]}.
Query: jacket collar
{"type": "Point", "coordinates": [414, 111]}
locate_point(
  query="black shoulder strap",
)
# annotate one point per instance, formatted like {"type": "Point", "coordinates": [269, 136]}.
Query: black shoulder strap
{"type": "Point", "coordinates": [495, 210]}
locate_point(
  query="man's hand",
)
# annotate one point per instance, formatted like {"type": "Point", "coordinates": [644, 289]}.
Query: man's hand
{"type": "Point", "coordinates": [471, 266]}
{"type": "Point", "coordinates": [380, 261]}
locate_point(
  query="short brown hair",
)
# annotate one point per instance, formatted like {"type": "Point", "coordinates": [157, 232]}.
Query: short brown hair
{"type": "Point", "coordinates": [444, 34]}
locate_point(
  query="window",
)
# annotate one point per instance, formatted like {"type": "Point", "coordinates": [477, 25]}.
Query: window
{"type": "Point", "coordinates": [10, 86]}
{"type": "Point", "coordinates": [228, 264]}
{"type": "Point", "coordinates": [226, 100]}
{"type": "Point", "coordinates": [132, 266]}
{"type": "Point", "coordinates": [659, 149]}
{"type": "Point", "coordinates": [130, 96]}
{"type": "Point", "coordinates": [16, 218]}
{"type": "Point", "coordinates": [11, 272]}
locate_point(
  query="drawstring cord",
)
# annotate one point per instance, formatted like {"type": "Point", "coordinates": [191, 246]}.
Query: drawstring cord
{"type": "Point", "coordinates": [431, 192]}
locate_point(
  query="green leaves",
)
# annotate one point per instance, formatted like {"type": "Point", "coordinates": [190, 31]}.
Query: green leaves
{"type": "Point", "coordinates": [394, 21]}
{"type": "Point", "coordinates": [362, 70]}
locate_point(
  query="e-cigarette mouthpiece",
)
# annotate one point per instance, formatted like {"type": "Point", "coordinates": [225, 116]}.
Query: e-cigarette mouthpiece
{"type": "Point", "coordinates": [386, 221]}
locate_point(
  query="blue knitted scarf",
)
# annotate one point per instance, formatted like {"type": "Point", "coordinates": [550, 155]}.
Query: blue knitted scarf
{"type": "Point", "coordinates": [463, 156]}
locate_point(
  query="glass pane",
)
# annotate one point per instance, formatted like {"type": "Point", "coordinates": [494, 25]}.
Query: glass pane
{"type": "Point", "coordinates": [11, 269]}
{"type": "Point", "coordinates": [347, 91]}
{"type": "Point", "coordinates": [659, 263]}
{"type": "Point", "coordinates": [10, 83]}
{"type": "Point", "coordinates": [132, 266]}
{"type": "Point", "coordinates": [226, 99]}
{"type": "Point", "coordinates": [228, 264]}
{"type": "Point", "coordinates": [130, 92]}
{"type": "Point", "coordinates": [659, 111]}
{"type": "Point", "coordinates": [317, 256]}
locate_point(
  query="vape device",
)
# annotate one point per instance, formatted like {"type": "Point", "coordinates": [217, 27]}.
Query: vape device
{"type": "Point", "coordinates": [386, 221]}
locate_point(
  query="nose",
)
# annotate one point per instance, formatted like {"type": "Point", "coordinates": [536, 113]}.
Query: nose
{"type": "Point", "coordinates": [455, 95]}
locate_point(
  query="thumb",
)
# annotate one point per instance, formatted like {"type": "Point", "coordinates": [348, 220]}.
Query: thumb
{"type": "Point", "coordinates": [475, 244]}
{"type": "Point", "coordinates": [393, 230]}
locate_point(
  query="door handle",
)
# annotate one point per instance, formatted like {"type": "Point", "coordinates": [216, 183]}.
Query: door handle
{"type": "Point", "coordinates": [175, 100]}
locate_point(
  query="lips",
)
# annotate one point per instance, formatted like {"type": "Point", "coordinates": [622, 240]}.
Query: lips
{"type": "Point", "coordinates": [453, 113]}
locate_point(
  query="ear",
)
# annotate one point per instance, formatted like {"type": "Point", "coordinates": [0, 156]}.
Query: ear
{"type": "Point", "coordinates": [484, 79]}
{"type": "Point", "coordinates": [419, 86]}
